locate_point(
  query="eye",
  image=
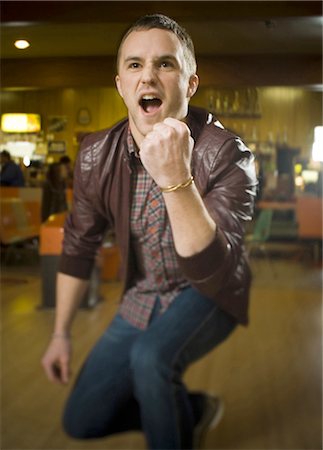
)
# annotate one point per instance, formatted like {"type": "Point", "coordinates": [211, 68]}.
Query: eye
{"type": "Point", "coordinates": [134, 65]}
{"type": "Point", "coordinates": [166, 64]}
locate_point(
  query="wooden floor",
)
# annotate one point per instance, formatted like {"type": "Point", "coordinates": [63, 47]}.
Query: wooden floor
{"type": "Point", "coordinates": [269, 374]}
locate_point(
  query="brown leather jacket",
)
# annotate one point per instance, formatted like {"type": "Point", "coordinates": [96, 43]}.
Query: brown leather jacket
{"type": "Point", "coordinates": [224, 174]}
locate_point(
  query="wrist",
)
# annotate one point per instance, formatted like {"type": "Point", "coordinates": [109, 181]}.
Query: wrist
{"type": "Point", "coordinates": [175, 187]}
{"type": "Point", "coordinates": [61, 335]}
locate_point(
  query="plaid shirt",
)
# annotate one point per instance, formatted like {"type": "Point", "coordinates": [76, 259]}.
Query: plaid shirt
{"type": "Point", "coordinates": [158, 274]}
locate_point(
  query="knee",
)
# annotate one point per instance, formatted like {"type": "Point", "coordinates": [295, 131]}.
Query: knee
{"type": "Point", "coordinates": [76, 426]}
{"type": "Point", "coordinates": [147, 360]}
{"type": "Point", "coordinates": [72, 428]}
{"type": "Point", "coordinates": [72, 425]}
{"type": "Point", "coordinates": [76, 430]}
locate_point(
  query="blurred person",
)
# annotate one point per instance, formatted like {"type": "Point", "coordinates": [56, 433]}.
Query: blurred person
{"type": "Point", "coordinates": [67, 162]}
{"type": "Point", "coordinates": [54, 191]}
{"type": "Point", "coordinates": [11, 173]}
{"type": "Point", "coordinates": [32, 178]}
{"type": "Point", "coordinates": [178, 190]}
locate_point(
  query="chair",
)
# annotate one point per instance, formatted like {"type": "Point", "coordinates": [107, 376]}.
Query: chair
{"type": "Point", "coordinates": [309, 219]}
{"type": "Point", "coordinates": [260, 235]}
{"type": "Point", "coordinates": [17, 232]}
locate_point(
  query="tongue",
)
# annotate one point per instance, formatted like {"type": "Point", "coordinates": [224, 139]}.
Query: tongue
{"type": "Point", "coordinates": [151, 106]}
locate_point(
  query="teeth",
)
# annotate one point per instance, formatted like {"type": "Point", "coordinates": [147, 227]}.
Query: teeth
{"type": "Point", "coordinates": [148, 97]}
{"type": "Point", "coordinates": [150, 103]}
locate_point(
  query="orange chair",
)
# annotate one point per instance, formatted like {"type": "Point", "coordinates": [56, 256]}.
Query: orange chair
{"type": "Point", "coordinates": [15, 226]}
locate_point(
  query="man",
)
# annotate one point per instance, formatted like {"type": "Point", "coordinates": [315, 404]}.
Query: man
{"type": "Point", "coordinates": [11, 174]}
{"type": "Point", "coordinates": [177, 190]}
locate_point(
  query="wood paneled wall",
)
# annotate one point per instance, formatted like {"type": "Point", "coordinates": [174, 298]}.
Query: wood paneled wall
{"type": "Point", "coordinates": [104, 104]}
{"type": "Point", "coordinates": [286, 113]}
{"type": "Point", "coordinates": [221, 70]}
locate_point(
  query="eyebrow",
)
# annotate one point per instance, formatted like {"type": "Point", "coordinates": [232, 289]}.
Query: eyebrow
{"type": "Point", "coordinates": [158, 58]}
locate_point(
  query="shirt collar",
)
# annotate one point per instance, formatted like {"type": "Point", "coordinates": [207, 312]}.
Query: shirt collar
{"type": "Point", "coordinates": [132, 146]}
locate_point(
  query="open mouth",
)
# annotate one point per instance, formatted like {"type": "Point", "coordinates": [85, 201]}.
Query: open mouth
{"type": "Point", "coordinates": [150, 103]}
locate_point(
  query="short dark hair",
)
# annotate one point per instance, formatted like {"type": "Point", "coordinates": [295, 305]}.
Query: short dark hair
{"type": "Point", "coordinates": [162, 22]}
{"type": "Point", "coordinates": [65, 159]}
{"type": "Point", "coordinates": [6, 154]}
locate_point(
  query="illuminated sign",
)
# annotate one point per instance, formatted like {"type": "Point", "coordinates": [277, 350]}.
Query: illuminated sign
{"type": "Point", "coordinates": [20, 123]}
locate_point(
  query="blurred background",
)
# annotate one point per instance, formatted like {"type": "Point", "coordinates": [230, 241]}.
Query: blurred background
{"type": "Point", "coordinates": [260, 68]}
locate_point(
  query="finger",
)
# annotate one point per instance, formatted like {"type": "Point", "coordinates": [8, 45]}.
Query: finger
{"type": "Point", "coordinates": [52, 372]}
{"type": "Point", "coordinates": [177, 124]}
{"type": "Point", "coordinates": [65, 372]}
{"type": "Point", "coordinates": [165, 131]}
{"type": "Point", "coordinates": [152, 134]}
{"type": "Point", "coordinates": [170, 124]}
{"type": "Point", "coordinates": [161, 129]}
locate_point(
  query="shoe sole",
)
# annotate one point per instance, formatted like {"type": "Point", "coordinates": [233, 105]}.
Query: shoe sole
{"type": "Point", "coordinates": [218, 416]}
{"type": "Point", "coordinates": [199, 440]}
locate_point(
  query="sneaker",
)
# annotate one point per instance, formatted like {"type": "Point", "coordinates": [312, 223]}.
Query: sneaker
{"type": "Point", "coordinates": [213, 412]}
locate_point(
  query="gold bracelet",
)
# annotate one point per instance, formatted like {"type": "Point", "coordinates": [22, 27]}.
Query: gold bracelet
{"type": "Point", "coordinates": [174, 187]}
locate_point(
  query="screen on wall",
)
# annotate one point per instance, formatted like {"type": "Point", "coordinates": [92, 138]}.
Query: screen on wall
{"type": "Point", "coordinates": [20, 123]}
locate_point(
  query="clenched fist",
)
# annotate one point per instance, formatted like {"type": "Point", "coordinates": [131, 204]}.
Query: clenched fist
{"type": "Point", "coordinates": [166, 152]}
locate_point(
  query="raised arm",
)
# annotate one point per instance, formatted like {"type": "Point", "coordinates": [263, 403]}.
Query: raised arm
{"type": "Point", "coordinates": [166, 154]}
{"type": "Point", "coordinates": [207, 224]}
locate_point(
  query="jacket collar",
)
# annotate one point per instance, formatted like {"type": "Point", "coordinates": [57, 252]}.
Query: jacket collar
{"type": "Point", "coordinates": [197, 118]}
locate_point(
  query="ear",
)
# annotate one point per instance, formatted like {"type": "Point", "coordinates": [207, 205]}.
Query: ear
{"type": "Point", "coordinates": [118, 84]}
{"type": "Point", "coordinates": [192, 85]}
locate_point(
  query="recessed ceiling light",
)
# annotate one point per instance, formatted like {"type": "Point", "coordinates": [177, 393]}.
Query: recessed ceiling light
{"type": "Point", "coordinates": [21, 44]}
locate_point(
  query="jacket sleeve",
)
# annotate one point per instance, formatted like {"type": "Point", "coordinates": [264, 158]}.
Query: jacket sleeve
{"type": "Point", "coordinates": [229, 198]}
{"type": "Point", "coordinates": [85, 226]}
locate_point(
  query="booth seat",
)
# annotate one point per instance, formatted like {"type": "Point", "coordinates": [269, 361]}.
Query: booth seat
{"type": "Point", "coordinates": [20, 214]}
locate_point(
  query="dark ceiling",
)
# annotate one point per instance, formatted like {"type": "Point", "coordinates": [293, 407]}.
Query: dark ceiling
{"type": "Point", "coordinates": [85, 28]}
{"type": "Point", "coordinates": [244, 29]}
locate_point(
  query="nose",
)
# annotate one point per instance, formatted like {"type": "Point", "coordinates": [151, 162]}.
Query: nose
{"type": "Point", "coordinates": [148, 74]}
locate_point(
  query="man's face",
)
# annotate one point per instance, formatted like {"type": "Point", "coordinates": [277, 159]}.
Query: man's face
{"type": "Point", "coordinates": [153, 80]}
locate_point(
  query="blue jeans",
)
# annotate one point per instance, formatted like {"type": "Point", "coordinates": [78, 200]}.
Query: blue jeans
{"type": "Point", "coordinates": [132, 379]}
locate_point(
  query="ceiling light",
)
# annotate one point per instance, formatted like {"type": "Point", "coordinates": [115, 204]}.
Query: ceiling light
{"type": "Point", "coordinates": [21, 44]}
